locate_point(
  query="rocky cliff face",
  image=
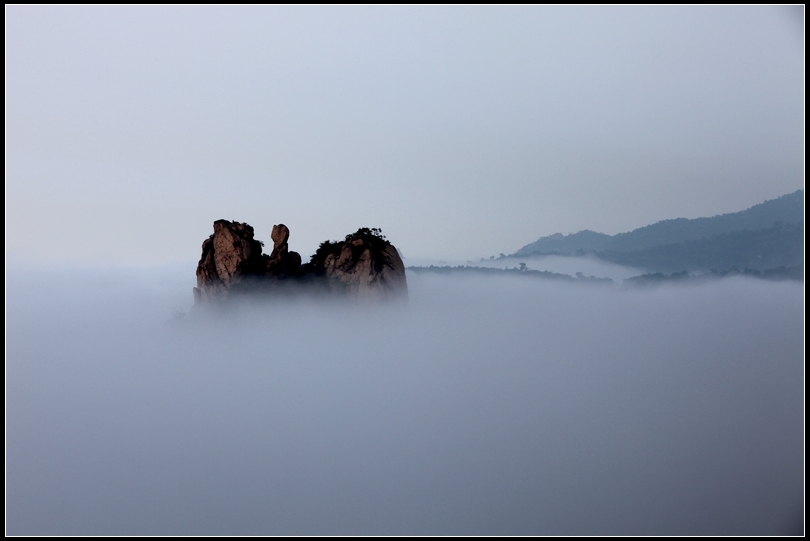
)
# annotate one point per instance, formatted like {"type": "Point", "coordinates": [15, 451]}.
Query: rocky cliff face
{"type": "Point", "coordinates": [364, 265]}
{"type": "Point", "coordinates": [230, 259]}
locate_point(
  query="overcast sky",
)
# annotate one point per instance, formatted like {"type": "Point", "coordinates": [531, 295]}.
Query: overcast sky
{"type": "Point", "coordinates": [460, 131]}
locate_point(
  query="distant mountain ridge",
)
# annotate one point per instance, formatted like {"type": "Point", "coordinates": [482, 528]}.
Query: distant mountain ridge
{"type": "Point", "coordinates": [767, 235]}
{"type": "Point", "coordinates": [788, 209]}
{"type": "Point", "coordinates": [763, 249]}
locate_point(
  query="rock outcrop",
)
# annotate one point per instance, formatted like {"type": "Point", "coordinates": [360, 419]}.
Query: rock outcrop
{"type": "Point", "coordinates": [231, 259]}
{"type": "Point", "coordinates": [282, 261]}
{"type": "Point", "coordinates": [364, 265]}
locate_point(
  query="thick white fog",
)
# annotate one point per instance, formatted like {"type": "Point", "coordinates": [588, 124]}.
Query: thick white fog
{"type": "Point", "coordinates": [490, 405]}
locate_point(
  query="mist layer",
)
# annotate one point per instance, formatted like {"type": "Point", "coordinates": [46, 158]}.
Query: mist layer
{"type": "Point", "coordinates": [483, 406]}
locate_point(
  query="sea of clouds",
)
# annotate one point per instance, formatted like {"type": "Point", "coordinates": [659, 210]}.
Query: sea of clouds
{"type": "Point", "coordinates": [485, 405]}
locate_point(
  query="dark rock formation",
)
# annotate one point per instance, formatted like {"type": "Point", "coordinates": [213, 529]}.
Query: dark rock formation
{"type": "Point", "coordinates": [282, 262]}
{"type": "Point", "coordinates": [231, 258]}
{"type": "Point", "coordinates": [364, 265]}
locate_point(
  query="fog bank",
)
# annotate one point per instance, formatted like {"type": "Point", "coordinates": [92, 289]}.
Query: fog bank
{"type": "Point", "coordinates": [587, 265]}
{"type": "Point", "coordinates": [484, 406]}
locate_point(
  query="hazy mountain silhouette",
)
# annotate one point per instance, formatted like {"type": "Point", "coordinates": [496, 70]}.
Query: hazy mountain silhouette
{"type": "Point", "coordinates": [781, 245]}
{"type": "Point", "coordinates": [788, 209]}
{"type": "Point", "coordinates": [767, 235]}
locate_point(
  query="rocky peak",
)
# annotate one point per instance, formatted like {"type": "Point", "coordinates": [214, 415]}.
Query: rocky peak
{"type": "Point", "coordinates": [282, 262]}
{"type": "Point", "coordinates": [279, 235]}
{"type": "Point", "coordinates": [228, 256]}
{"type": "Point", "coordinates": [364, 265]}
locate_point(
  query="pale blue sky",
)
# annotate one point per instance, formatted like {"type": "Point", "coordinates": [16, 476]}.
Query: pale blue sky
{"type": "Point", "coordinates": [460, 131]}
